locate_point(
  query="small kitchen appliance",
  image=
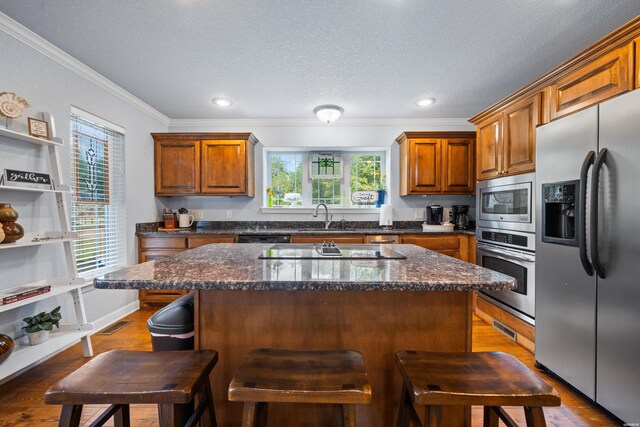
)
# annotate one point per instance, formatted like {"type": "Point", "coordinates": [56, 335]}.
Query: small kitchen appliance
{"type": "Point", "coordinates": [434, 214]}
{"type": "Point", "coordinates": [460, 216]}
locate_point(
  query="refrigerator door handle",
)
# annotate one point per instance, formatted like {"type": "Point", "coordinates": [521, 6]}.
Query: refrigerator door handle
{"type": "Point", "coordinates": [582, 213]}
{"type": "Point", "coordinates": [595, 182]}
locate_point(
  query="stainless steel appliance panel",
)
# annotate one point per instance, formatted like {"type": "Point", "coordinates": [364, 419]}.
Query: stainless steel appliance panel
{"type": "Point", "coordinates": [618, 324]}
{"type": "Point", "coordinates": [506, 203]}
{"type": "Point", "coordinates": [565, 294]}
{"type": "Point", "coordinates": [515, 263]}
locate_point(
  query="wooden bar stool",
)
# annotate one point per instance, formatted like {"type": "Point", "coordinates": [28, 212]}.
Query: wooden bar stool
{"type": "Point", "coordinates": [120, 377]}
{"type": "Point", "coordinates": [491, 380]}
{"type": "Point", "coordinates": [296, 376]}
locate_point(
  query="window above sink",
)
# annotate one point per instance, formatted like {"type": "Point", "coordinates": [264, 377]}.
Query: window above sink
{"type": "Point", "coordinates": [299, 180]}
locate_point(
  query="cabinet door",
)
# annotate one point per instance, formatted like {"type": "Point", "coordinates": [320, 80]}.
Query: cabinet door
{"type": "Point", "coordinates": [519, 138]}
{"type": "Point", "coordinates": [424, 166]}
{"type": "Point", "coordinates": [604, 78]}
{"type": "Point", "coordinates": [458, 169]}
{"type": "Point", "coordinates": [489, 147]}
{"type": "Point", "coordinates": [224, 167]}
{"type": "Point", "coordinates": [327, 238]}
{"type": "Point", "coordinates": [447, 244]}
{"type": "Point", "coordinates": [197, 241]}
{"type": "Point", "coordinates": [637, 43]}
{"type": "Point", "coordinates": [177, 167]}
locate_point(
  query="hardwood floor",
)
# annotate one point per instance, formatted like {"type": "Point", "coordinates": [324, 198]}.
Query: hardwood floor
{"type": "Point", "coordinates": [22, 402]}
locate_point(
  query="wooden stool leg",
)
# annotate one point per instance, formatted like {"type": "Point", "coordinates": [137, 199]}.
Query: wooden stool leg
{"type": "Point", "coordinates": [121, 417]}
{"type": "Point", "coordinates": [70, 416]}
{"type": "Point", "coordinates": [490, 417]}
{"type": "Point", "coordinates": [403, 414]}
{"type": "Point", "coordinates": [349, 415]}
{"type": "Point", "coordinates": [433, 416]}
{"type": "Point", "coordinates": [205, 395]}
{"type": "Point", "coordinates": [171, 414]}
{"type": "Point", "coordinates": [249, 414]}
{"type": "Point", "coordinates": [262, 412]}
{"type": "Point", "coordinates": [534, 416]}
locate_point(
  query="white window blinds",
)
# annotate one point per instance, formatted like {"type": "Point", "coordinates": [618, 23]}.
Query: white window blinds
{"type": "Point", "coordinates": [98, 195]}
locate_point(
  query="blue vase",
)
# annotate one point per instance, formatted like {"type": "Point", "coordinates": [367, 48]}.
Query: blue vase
{"type": "Point", "coordinates": [380, 201]}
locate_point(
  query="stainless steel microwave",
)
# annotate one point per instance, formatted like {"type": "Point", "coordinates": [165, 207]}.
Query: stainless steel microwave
{"type": "Point", "coordinates": [506, 203]}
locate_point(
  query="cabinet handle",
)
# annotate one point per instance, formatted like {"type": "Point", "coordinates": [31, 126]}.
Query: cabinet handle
{"type": "Point", "coordinates": [383, 241]}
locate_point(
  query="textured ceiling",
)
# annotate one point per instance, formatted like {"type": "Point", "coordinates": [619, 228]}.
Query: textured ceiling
{"type": "Point", "coordinates": [280, 59]}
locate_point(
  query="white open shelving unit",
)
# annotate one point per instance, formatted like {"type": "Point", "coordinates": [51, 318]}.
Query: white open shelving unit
{"type": "Point", "coordinates": [24, 355]}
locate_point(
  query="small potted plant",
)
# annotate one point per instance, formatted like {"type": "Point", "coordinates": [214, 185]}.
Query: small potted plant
{"type": "Point", "coordinates": [270, 195]}
{"type": "Point", "coordinates": [39, 326]}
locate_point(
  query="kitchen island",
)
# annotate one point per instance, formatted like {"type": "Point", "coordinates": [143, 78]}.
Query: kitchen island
{"type": "Point", "coordinates": [377, 307]}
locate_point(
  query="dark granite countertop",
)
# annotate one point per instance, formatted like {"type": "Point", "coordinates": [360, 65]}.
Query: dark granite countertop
{"type": "Point", "coordinates": [237, 267]}
{"type": "Point", "coordinates": [288, 228]}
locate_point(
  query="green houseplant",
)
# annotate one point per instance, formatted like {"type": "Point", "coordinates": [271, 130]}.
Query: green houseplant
{"type": "Point", "coordinates": [39, 326]}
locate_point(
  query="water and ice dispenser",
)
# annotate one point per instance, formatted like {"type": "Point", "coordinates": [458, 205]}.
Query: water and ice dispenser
{"type": "Point", "coordinates": [560, 211]}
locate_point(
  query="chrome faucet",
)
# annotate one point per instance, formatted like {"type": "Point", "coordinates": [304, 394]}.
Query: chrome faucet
{"type": "Point", "coordinates": [327, 218]}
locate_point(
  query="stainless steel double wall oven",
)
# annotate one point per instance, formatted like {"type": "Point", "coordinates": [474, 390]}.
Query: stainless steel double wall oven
{"type": "Point", "coordinates": [506, 239]}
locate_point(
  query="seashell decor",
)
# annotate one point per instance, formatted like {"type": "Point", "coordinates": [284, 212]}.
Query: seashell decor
{"type": "Point", "coordinates": [11, 105]}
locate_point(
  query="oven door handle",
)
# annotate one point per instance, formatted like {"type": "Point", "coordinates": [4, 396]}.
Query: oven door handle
{"type": "Point", "coordinates": [506, 253]}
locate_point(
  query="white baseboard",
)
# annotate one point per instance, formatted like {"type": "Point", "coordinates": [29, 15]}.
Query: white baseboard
{"type": "Point", "coordinates": [116, 315]}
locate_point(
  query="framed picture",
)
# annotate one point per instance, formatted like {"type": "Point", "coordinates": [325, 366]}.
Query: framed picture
{"type": "Point", "coordinates": [38, 128]}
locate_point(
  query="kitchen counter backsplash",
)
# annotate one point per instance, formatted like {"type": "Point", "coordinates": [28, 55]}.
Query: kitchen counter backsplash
{"type": "Point", "coordinates": [293, 227]}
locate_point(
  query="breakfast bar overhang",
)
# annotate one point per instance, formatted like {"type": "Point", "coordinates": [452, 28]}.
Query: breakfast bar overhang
{"type": "Point", "coordinates": [374, 306]}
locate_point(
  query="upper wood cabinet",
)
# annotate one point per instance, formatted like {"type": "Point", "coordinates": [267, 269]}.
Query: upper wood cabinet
{"type": "Point", "coordinates": [507, 140]}
{"type": "Point", "coordinates": [601, 79]}
{"type": "Point", "coordinates": [437, 163]}
{"type": "Point", "coordinates": [637, 43]}
{"type": "Point", "coordinates": [177, 167]}
{"type": "Point", "coordinates": [214, 164]}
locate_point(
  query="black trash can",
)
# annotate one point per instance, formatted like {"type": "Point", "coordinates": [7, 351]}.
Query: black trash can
{"type": "Point", "coordinates": [171, 327]}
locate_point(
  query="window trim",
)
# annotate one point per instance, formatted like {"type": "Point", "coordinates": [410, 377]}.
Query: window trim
{"type": "Point", "coordinates": [345, 187]}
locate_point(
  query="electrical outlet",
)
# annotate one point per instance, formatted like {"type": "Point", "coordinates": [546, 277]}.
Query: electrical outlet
{"type": "Point", "coordinates": [229, 214]}
{"type": "Point", "coordinates": [418, 214]}
{"type": "Point", "coordinates": [197, 214]}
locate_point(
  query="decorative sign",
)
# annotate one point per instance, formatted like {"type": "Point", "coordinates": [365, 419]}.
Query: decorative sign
{"type": "Point", "coordinates": [325, 165]}
{"type": "Point", "coordinates": [26, 178]}
{"type": "Point", "coordinates": [364, 197]}
{"type": "Point", "coordinates": [38, 128]}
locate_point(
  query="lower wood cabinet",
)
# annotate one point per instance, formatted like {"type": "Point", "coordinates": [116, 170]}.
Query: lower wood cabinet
{"type": "Point", "coordinates": [461, 246]}
{"type": "Point", "coordinates": [356, 238]}
{"type": "Point", "coordinates": [150, 248]}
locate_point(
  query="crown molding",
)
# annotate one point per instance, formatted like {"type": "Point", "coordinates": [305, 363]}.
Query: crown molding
{"type": "Point", "coordinates": [455, 123]}
{"type": "Point", "coordinates": [31, 39]}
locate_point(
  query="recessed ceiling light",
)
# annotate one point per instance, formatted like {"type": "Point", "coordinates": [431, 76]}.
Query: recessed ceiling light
{"type": "Point", "coordinates": [425, 101]}
{"type": "Point", "coordinates": [222, 102]}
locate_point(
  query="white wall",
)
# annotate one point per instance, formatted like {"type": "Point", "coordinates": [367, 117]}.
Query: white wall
{"type": "Point", "coordinates": [320, 135]}
{"type": "Point", "coordinates": [49, 86]}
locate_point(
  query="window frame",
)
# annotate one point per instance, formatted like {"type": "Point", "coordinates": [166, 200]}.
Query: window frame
{"type": "Point", "coordinates": [115, 241]}
{"type": "Point", "coordinates": [307, 186]}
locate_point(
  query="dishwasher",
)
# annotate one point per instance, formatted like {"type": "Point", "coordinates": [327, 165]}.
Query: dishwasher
{"type": "Point", "coordinates": [264, 238]}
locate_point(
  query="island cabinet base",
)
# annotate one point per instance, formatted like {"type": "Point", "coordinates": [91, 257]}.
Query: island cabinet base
{"type": "Point", "coordinates": [375, 323]}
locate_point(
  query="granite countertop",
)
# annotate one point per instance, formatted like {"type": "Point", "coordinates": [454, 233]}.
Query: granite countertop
{"type": "Point", "coordinates": [237, 267]}
{"type": "Point", "coordinates": [288, 228]}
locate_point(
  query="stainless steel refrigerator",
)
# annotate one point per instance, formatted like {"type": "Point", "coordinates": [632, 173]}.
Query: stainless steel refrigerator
{"type": "Point", "coordinates": [588, 252]}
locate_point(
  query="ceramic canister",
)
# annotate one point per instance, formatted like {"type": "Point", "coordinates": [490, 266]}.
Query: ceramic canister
{"type": "Point", "coordinates": [12, 230]}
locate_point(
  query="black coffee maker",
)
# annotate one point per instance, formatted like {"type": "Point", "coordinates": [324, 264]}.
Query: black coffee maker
{"type": "Point", "coordinates": [460, 216]}
{"type": "Point", "coordinates": [434, 214]}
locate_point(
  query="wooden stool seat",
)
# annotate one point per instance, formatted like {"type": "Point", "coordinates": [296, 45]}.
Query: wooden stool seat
{"type": "Point", "coordinates": [123, 377]}
{"type": "Point", "coordinates": [491, 380]}
{"type": "Point", "coordinates": [298, 376]}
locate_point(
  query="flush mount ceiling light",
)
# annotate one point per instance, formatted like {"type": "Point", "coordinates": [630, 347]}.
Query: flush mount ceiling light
{"type": "Point", "coordinates": [425, 101]}
{"type": "Point", "coordinates": [328, 113]}
{"type": "Point", "coordinates": [222, 102]}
